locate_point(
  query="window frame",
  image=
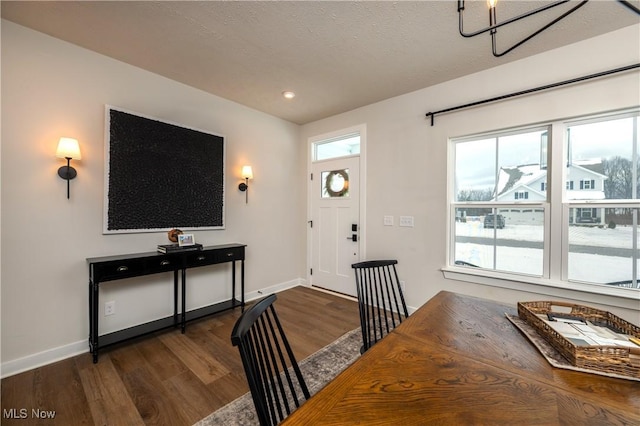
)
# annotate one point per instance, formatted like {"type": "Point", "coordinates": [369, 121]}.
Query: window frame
{"type": "Point", "coordinates": [556, 231]}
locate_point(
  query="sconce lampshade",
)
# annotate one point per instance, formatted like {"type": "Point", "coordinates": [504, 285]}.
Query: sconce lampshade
{"type": "Point", "coordinates": [247, 173]}
{"type": "Point", "coordinates": [68, 148]}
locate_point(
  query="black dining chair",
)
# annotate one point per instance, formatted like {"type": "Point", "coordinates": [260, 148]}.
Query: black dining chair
{"type": "Point", "coordinates": [380, 299]}
{"type": "Point", "coordinates": [275, 380]}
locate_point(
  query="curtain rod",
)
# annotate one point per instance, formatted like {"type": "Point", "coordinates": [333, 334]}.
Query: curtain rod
{"type": "Point", "coordinates": [536, 89]}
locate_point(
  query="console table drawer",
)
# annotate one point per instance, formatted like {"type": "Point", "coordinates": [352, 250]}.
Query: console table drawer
{"type": "Point", "coordinates": [211, 257]}
{"type": "Point", "coordinates": [119, 269]}
{"type": "Point", "coordinates": [161, 264]}
{"type": "Point", "coordinates": [113, 270]}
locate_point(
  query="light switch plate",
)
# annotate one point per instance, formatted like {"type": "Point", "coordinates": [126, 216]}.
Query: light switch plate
{"type": "Point", "coordinates": [388, 221]}
{"type": "Point", "coordinates": [406, 221]}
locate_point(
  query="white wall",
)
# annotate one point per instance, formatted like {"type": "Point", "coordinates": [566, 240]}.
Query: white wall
{"type": "Point", "coordinates": [407, 158]}
{"type": "Point", "coordinates": [50, 89]}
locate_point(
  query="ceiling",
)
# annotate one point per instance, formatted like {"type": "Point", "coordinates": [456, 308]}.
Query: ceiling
{"type": "Point", "coordinates": [335, 55]}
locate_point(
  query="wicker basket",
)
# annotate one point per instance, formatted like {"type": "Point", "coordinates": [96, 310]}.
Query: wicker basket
{"type": "Point", "coordinates": [608, 359]}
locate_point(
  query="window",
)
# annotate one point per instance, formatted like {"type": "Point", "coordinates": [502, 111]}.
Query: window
{"type": "Point", "coordinates": [489, 174]}
{"type": "Point", "coordinates": [335, 184]}
{"type": "Point", "coordinates": [588, 184]}
{"type": "Point", "coordinates": [342, 146]}
{"type": "Point", "coordinates": [603, 155]}
{"type": "Point", "coordinates": [599, 243]}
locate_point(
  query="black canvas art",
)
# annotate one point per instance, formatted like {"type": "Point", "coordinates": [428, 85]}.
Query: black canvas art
{"type": "Point", "coordinates": [161, 176]}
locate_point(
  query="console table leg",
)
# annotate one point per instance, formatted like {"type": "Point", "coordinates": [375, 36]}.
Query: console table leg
{"type": "Point", "coordinates": [175, 298]}
{"type": "Point", "coordinates": [242, 283]}
{"type": "Point", "coordinates": [184, 302]}
{"type": "Point", "coordinates": [94, 289]}
{"type": "Point", "coordinates": [233, 284]}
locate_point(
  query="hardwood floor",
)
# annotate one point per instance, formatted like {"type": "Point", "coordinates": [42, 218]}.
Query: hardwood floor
{"type": "Point", "coordinates": [167, 378]}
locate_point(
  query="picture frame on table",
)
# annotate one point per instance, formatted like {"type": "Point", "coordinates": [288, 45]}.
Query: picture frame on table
{"type": "Point", "coordinates": [186, 240]}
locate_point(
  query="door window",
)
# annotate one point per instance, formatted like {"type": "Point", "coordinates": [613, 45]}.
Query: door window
{"type": "Point", "coordinates": [335, 184]}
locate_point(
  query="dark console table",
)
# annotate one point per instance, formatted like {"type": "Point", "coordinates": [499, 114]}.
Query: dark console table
{"type": "Point", "coordinates": [110, 268]}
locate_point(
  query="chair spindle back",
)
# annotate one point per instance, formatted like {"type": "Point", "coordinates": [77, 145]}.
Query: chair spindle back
{"type": "Point", "coordinates": [380, 299]}
{"type": "Point", "coordinates": [275, 380]}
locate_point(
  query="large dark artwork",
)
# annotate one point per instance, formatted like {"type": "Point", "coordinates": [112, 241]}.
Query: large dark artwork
{"type": "Point", "coordinates": [161, 176]}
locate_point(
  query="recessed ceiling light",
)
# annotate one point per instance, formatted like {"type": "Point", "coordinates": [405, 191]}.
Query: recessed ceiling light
{"type": "Point", "coordinates": [288, 95]}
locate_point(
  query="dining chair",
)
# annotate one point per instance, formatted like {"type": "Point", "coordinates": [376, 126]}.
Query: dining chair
{"type": "Point", "coordinates": [380, 299]}
{"type": "Point", "coordinates": [275, 380]}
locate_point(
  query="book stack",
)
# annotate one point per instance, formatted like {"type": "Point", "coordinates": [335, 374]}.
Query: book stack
{"type": "Point", "coordinates": [174, 248]}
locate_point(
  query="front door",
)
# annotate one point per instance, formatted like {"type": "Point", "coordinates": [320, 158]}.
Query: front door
{"type": "Point", "coordinates": [335, 224]}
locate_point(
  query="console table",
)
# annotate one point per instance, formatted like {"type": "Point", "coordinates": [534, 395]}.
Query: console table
{"type": "Point", "coordinates": [110, 268]}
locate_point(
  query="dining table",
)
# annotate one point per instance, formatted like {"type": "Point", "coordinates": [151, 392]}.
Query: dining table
{"type": "Point", "coordinates": [458, 360]}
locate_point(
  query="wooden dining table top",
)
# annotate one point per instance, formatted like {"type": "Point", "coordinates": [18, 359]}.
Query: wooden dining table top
{"type": "Point", "coordinates": [458, 360]}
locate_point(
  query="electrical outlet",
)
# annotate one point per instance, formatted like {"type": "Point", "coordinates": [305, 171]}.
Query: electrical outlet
{"type": "Point", "coordinates": [402, 286]}
{"type": "Point", "coordinates": [110, 308]}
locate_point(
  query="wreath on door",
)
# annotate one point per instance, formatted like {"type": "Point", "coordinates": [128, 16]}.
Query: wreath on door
{"type": "Point", "coordinates": [333, 186]}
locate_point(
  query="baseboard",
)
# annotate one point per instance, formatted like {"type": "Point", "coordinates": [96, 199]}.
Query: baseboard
{"type": "Point", "coordinates": [29, 362]}
{"type": "Point", "coordinates": [410, 309]}
{"type": "Point", "coordinates": [258, 294]}
{"type": "Point", "coordinates": [49, 356]}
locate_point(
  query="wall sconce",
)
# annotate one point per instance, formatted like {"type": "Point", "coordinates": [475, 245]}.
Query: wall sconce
{"type": "Point", "coordinates": [247, 174]}
{"type": "Point", "coordinates": [68, 148]}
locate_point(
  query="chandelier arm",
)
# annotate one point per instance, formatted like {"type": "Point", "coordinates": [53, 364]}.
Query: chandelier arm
{"type": "Point", "coordinates": [564, 15]}
{"type": "Point", "coordinates": [630, 6]}
{"type": "Point", "coordinates": [508, 21]}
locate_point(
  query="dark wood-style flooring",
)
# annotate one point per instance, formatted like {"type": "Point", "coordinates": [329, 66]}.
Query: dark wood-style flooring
{"type": "Point", "coordinates": [167, 378]}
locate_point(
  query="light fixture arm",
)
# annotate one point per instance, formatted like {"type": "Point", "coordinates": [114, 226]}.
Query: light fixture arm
{"type": "Point", "coordinates": [506, 22]}
{"type": "Point", "coordinates": [67, 173]}
{"type": "Point", "coordinates": [494, 48]}
{"type": "Point", "coordinates": [244, 187]}
{"type": "Point", "coordinates": [494, 25]}
{"type": "Point", "coordinates": [630, 6]}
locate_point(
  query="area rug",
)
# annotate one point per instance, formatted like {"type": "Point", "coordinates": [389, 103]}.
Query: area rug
{"type": "Point", "coordinates": [552, 355]}
{"type": "Point", "coordinates": [318, 369]}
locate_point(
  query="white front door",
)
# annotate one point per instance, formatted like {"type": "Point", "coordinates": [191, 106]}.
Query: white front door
{"type": "Point", "coordinates": [335, 208]}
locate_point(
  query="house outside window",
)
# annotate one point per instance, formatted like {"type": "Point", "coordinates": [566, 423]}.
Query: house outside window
{"type": "Point", "coordinates": [598, 216]}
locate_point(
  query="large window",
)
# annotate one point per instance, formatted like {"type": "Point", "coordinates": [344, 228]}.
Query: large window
{"type": "Point", "coordinates": [603, 241]}
{"type": "Point", "coordinates": [511, 189]}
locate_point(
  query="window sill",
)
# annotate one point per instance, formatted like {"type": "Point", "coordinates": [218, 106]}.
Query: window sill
{"type": "Point", "coordinates": [618, 297]}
